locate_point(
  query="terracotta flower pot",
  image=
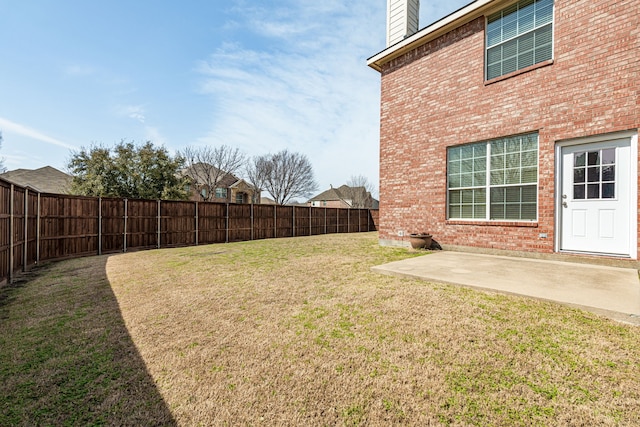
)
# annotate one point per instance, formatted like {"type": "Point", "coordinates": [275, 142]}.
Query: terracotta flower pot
{"type": "Point", "coordinates": [420, 240]}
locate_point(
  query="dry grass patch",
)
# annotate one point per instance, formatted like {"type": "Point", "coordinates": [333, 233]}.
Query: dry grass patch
{"type": "Point", "coordinates": [66, 357]}
{"type": "Point", "coordinates": [300, 331]}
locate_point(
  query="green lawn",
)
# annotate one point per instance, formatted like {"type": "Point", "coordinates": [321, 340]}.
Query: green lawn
{"type": "Point", "coordinates": [299, 332]}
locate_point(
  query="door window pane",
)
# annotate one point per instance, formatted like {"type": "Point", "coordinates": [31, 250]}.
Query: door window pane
{"type": "Point", "coordinates": [596, 168]}
{"type": "Point", "coordinates": [608, 173]}
{"type": "Point", "coordinates": [608, 191]}
{"type": "Point", "coordinates": [609, 156]}
{"type": "Point", "coordinates": [593, 174]}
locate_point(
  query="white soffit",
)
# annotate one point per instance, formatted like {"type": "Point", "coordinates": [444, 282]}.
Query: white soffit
{"type": "Point", "coordinates": [456, 19]}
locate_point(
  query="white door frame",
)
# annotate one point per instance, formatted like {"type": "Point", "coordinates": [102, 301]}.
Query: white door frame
{"type": "Point", "coordinates": [633, 185]}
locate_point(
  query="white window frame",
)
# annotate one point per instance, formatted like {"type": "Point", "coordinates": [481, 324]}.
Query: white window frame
{"type": "Point", "coordinates": [487, 183]}
{"type": "Point", "coordinates": [220, 191]}
{"type": "Point", "coordinates": [519, 35]}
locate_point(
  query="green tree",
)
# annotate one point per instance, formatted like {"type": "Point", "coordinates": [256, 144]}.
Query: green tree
{"type": "Point", "coordinates": [127, 170]}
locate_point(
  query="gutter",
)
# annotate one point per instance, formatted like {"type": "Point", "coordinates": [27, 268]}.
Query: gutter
{"type": "Point", "coordinates": [448, 23]}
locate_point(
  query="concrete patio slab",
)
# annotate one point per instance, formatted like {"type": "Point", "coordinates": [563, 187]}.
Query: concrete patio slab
{"type": "Point", "coordinates": [610, 291]}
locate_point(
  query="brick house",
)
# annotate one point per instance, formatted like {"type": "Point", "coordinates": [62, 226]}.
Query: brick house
{"type": "Point", "coordinates": [513, 126]}
{"type": "Point", "coordinates": [207, 183]}
{"type": "Point", "coordinates": [344, 197]}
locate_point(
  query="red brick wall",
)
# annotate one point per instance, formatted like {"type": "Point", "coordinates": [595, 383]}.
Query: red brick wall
{"type": "Point", "coordinates": [435, 96]}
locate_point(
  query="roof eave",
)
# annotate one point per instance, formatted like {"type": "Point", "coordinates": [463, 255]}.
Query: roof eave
{"type": "Point", "coordinates": [433, 31]}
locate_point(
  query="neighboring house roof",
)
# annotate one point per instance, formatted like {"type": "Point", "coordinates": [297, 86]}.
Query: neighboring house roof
{"type": "Point", "coordinates": [241, 184]}
{"type": "Point", "coordinates": [199, 171]}
{"type": "Point", "coordinates": [345, 194]}
{"type": "Point", "coordinates": [45, 180]}
{"type": "Point", "coordinates": [207, 173]}
{"type": "Point", "coordinates": [460, 17]}
{"type": "Point", "coordinates": [330, 194]}
{"type": "Point", "coordinates": [267, 201]}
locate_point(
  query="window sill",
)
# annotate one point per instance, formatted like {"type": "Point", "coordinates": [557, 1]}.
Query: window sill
{"type": "Point", "coordinates": [518, 72]}
{"type": "Point", "coordinates": [530, 224]}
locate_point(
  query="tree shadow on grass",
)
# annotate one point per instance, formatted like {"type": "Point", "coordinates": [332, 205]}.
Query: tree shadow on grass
{"type": "Point", "coordinates": [66, 357]}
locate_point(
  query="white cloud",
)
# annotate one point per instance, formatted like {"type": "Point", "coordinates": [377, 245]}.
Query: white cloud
{"type": "Point", "coordinates": [313, 93]}
{"type": "Point", "coordinates": [136, 112]}
{"type": "Point", "coordinates": [9, 126]}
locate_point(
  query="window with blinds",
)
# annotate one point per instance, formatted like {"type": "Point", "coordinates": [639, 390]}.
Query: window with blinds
{"type": "Point", "coordinates": [494, 180]}
{"type": "Point", "coordinates": [519, 36]}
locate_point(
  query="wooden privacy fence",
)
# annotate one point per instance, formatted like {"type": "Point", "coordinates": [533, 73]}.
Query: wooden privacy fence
{"type": "Point", "coordinates": [37, 227]}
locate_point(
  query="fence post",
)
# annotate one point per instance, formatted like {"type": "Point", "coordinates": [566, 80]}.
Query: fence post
{"type": "Point", "coordinates": [252, 220]}
{"type": "Point", "coordinates": [227, 225]}
{"type": "Point", "coordinates": [368, 219]}
{"type": "Point", "coordinates": [338, 220]}
{"type": "Point", "coordinates": [126, 212]}
{"type": "Point", "coordinates": [38, 231]}
{"type": "Point", "coordinates": [349, 221]}
{"type": "Point", "coordinates": [11, 201]}
{"type": "Point", "coordinates": [325, 220]}
{"type": "Point", "coordinates": [293, 221]}
{"type": "Point", "coordinates": [26, 230]}
{"type": "Point", "coordinates": [197, 225]}
{"type": "Point", "coordinates": [359, 221]}
{"type": "Point", "coordinates": [275, 221]}
{"type": "Point", "coordinates": [159, 226]}
{"type": "Point", "coordinates": [99, 225]}
{"type": "Point", "coordinates": [310, 229]}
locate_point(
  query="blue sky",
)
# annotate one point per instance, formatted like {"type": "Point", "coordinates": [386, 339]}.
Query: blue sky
{"type": "Point", "coordinates": [258, 75]}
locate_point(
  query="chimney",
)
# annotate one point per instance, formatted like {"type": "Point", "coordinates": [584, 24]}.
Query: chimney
{"type": "Point", "coordinates": [402, 19]}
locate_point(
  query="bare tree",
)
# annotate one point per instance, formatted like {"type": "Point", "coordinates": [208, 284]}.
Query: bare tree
{"type": "Point", "coordinates": [2, 167]}
{"type": "Point", "coordinates": [207, 166]}
{"type": "Point", "coordinates": [256, 172]}
{"type": "Point", "coordinates": [287, 175]}
{"type": "Point", "coordinates": [360, 189]}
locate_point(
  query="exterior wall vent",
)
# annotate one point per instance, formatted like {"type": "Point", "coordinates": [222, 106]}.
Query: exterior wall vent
{"type": "Point", "coordinates": [402, 19]}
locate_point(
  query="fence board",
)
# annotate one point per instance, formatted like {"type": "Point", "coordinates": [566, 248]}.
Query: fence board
{"type": "Point", "coordinates": [38, 227]}
{"type": "Point", "coordinates": [302, 221]}
{"type": "Point", "coordinates": [32, 229]}
{"type": "Point", "coordinates": [239, 222]}
{"type": "Point", "coordinates": [112, 217]}
{"type": "Point", "coordinates": [5, 215]}
{"type": "Point", "coordinates": [68, 226]}
{"type": "Point", "coordinates": [19, 195]}
{"type": "Point", "coordinates": [284, 221]}
{"type": "Point", "coordinates": [343, 220]}
{"type": "Point", "coordinates": [211, 223]}
{"type": "Point", "coordinates": [264, 221]}
{"type": "Point", "coordinates": [177, 221]}
{"type": "Point", "coordinates": [142, 224]}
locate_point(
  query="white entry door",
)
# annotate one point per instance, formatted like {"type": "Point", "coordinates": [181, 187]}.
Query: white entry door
{"type": "Point", "coordinates": [595, 201]}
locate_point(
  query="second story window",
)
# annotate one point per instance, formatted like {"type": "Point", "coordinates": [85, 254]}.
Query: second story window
{"type": "Point", "coordinates": [519, 36]}
{"type": "Point", "coordinates": [221, 193]}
